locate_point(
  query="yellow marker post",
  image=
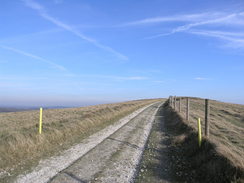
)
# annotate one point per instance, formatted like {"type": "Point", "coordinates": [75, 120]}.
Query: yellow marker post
{"type": "Point", "coordinates": [40, 123]}
{"type": "Point", "coordinates": [199, 132]}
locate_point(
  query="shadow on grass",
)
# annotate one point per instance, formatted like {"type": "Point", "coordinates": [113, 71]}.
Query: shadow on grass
{"type": "Point", "coordinates": [172, 154]}
{"type": "Point", "coordinates": [191, 162]}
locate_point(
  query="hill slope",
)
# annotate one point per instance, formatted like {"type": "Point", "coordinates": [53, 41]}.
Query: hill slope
{"type": "Point", "coordinates": [173, 153]}
{"type": "Point", "coordinates": [22, 147]}
{"type": "Point", "coordinates": [226, 126]}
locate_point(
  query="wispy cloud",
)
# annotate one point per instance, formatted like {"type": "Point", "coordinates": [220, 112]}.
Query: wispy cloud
{"type": "Point", "coordinates": [201, 78]}
{"type": "Point", "coordinates": [42, 12]}
{"type": "Point", "coordinates": [21, 52]}
{"type": "Point", "coordinates": [233, 39]}
{"type": "Point", "coordinates": [210, 21]}
{"type": "Point", "coordinates": [112, 77]}
{"type": "Point", "coordinates": [145, 71]}
{"type": "Point", "coordinates": [158, 81]}
{"type": "Point", "coordinates": [130, 78]}
{"type": "Point", "coordinates": [194, 19]}
{"type": "Point", "coordinates": [174, 18]}
{"type": "Point", "coordinates": [220, 33]}
{"type": "Point", "coordinates": [58, 1]}
{"type": "Point", "coordinates": [219, 20]}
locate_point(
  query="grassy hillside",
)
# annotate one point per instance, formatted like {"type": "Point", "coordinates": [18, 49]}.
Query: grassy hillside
{"type": "Point", "coordinates": [22, 147]}
{"type": "Point", "coordinates": [226, 126]}
{"type": "Point", "coordinates": [173, 153]}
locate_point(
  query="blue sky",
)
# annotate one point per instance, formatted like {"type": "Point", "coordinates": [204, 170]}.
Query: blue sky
{"type": "Point", "coordinates": [75, 52]}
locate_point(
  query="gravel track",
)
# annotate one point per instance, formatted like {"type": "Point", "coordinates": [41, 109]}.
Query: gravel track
{"type": "Point", "coordinates": [110, 155]}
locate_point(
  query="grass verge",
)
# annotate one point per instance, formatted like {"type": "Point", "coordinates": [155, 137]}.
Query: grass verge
{"type": "Point", "coordinates": [21, 147]}
{"type": "Point", "coordinates": [212, 162]}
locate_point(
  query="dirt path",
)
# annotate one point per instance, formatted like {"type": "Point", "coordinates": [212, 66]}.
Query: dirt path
{"type": "Point", "coordinates": [156, 163]}
{"type": "Point", "coordinates": [164, 159]}
{"type": "Point", "coordinates": [111, 155]}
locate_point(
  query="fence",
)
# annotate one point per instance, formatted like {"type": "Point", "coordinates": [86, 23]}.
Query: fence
{"type": "Point", "coordinates": [176, 104]}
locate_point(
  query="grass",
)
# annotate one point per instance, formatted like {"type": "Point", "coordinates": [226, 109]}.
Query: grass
{"type": "Point", "coordinates": [21, 147]}
{"type": "Point", "coordinates": [172, 154]}
{"type": "Point", "coordinates": [224, 148]}
{"type": "Point", "coordinates": [226, 126]}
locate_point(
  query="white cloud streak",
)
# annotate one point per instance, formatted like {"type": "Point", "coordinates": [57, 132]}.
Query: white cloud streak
{"type": "Point", "coordinates": [217, 19]}
{"type": "Point", "coordinates": [158, 81]}
{"type": "Point", "coordinates": [233, 39]}
{"type": "Point", "coordinates": [120, 78]}
{"type": "Point", "coordinates": [195, 19]}
{"type": "Point", "coordinates": [131, 78]}
{"type": "Point", "coordinates": [201, 78]}
{"type": "Point", "coordinates": [220, 20]}
{"type": "Point", "coordinates": [174, 18]}
{"type": "Point", "coordinates": [232, 21]}
{"type": "Point", "coordinates": [58, 1]}
{"type": "Point", "coordinates": [42, 12]}
{"type": "Point", "coordinates": [54, 65]}
{"type": "Point", "coordinates": [220, 33]}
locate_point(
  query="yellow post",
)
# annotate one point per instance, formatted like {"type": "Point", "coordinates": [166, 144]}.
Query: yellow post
{"type": "Point", "coordinates": [199, 132]}
{"type": "Point", "coordinates": [40, 123]}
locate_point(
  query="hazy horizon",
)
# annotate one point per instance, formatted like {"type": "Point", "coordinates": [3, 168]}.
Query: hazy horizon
{"type": "Point", "coordinates": [75, 103]}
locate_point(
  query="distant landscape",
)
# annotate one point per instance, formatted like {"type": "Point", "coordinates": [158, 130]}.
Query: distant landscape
{"type": "Point", "coordinates": [18, 109]}
{"type": "Point", "coordinates": [13, 109]}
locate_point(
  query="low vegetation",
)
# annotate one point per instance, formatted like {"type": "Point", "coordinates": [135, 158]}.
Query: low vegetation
{"type": "Point", "coordinates": [22, 147]}
{"type": "Point", "coordinates": [226, 126]}
{"type": "Point", "coordinates": [173, 154]}
{"type": "Point", "coordinates": [221, 157]}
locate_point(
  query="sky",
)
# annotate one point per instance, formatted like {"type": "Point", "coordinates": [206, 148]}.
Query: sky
{"type": "Point", "coordinates": [77, 52]}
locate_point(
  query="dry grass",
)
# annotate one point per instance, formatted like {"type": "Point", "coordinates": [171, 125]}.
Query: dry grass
{"type": "Point", "coordinates": [21, 146]}
{"type": "Point", "coordinates": [218, 159]}
{"type": "Point", "coordinates": [226, 126]}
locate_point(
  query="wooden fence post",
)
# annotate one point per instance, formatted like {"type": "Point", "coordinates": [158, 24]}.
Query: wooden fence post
{"type": "Point", "coordinates": [175, 102]}
{"type": "Point", "coordinates": [179, 104]}
{"type": "Point", "coordinates": [206, 117]}
{"type": "Point", "coordinates": [187, 108]}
